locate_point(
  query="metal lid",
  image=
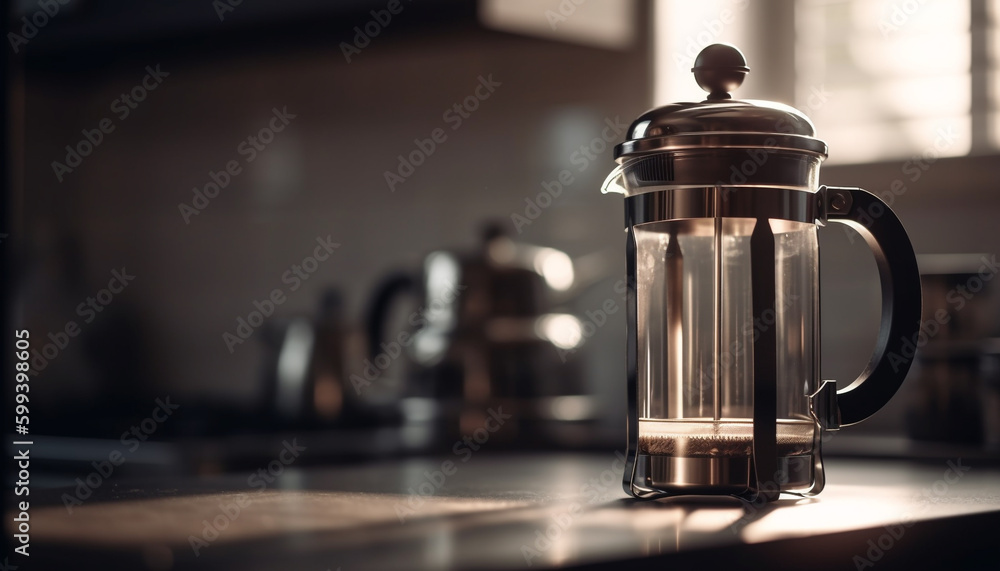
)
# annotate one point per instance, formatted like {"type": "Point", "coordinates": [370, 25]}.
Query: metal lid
{"type": "Point", "coordinates": [720, 121]}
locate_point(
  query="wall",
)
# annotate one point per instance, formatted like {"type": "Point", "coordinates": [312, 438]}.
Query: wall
{"type": "Point", "coordinates": [321, 176]}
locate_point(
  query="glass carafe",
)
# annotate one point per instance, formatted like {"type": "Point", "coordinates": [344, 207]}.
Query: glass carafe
{"type": "Point", "coordinates": [723, 208]}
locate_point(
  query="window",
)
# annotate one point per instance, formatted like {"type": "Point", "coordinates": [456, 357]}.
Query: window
{"type": "Point", "coordinates": [881, 79]}
{"type": "Point", "coordinates": [895, 76]}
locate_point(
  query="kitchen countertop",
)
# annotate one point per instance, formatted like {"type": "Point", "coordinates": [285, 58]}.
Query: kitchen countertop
{"type": "Point", "coordinates": [517, 511]}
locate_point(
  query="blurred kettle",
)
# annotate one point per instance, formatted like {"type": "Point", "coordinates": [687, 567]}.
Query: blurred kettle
{"type": "Point", "coordinates": [304, 368]}
{"type": "Point", "coordinates": [485, 333]}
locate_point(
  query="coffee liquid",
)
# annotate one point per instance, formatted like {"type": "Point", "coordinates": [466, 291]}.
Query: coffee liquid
{"type": "Point", "coordinates": [697, 438]}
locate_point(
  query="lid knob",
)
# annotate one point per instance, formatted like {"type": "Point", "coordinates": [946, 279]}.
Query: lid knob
{"type": "Point", "coordinates": [719, 69]}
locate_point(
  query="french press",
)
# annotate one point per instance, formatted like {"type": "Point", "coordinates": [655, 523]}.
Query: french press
{"type": "Point", "coordinates": [722, 207]}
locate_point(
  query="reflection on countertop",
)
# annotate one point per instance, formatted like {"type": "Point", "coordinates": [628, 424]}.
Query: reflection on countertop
{"type": "Point", "coordinates": [506, 511]}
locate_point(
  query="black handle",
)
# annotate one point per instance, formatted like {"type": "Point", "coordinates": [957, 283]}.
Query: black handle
{"type": "Point", "coordinates": [378, 310]}
{"type": "Point", "coordinates": [897, 268]}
